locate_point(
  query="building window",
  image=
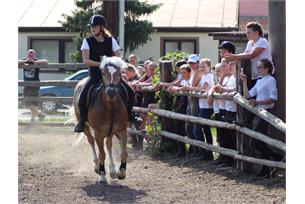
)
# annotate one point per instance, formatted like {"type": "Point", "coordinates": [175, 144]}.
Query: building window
{"type": "Point", "coordinates": [189, 45]}
{"type": "Point", "coordinates": [54, 50]}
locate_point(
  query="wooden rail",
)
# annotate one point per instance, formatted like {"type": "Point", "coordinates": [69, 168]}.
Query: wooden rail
{"type": "Point", "coordinates": [197, 120]}
{"type": "Point", "coordinates": [66, 66]}
{"type": "Point", "coordinates": [225, 151]}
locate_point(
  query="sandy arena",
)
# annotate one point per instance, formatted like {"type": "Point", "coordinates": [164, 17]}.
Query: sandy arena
{"type": "Point", "coordinates": [52, 170]}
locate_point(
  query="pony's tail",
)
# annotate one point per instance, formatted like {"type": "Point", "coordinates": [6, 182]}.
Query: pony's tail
{"type": "Point", "coordinates": [73, 120]}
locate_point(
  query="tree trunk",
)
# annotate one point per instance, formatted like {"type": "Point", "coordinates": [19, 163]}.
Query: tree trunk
{"type": "Point", "coordinates": [277, 39]}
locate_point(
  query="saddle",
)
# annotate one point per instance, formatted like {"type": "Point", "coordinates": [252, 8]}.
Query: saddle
{"type": "Point", "coordinates": [94, 91]}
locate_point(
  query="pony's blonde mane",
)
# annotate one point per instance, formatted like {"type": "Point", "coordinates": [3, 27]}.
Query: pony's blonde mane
{"type": "Point", "coordinates": [117, 61]}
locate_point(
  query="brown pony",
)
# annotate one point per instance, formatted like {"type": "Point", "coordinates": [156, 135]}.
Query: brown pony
{"type": "Point", "coordinates": [107, 117]}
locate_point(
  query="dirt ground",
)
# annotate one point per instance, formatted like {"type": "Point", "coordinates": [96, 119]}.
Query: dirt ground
{"type": "Point", "coordinates": [53, 170]}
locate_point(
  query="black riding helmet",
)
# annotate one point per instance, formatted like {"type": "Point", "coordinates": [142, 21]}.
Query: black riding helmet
{"type": "Point", "coordinates": [97, 20]}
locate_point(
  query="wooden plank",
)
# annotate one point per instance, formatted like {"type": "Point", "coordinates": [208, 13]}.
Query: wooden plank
{"type": "Point", "coordinates": [229, 152]}
{"type": "Point", "coordinates": [67, 66]}
{"type": "Point", "coordinates": [265, 115]}
{"type": "Point", "coordinates": [44, 98]}
{"type": "Point", "coordinates": [70, 83]}
{"type": "Point", "coordinates": [212, 123]}
{"type": "Point", "coordinates": [221, 150]}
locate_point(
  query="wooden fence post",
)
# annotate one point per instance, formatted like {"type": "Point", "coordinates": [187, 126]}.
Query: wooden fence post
{"type": "Point", "coordinates": [244, 143]}
{"type": "Point", "coordinates": [166, 98]}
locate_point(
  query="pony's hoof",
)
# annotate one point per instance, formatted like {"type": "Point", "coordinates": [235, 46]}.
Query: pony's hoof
{"type": "Point", "coordinates": [101, 182]}
{"type": "Point", "coordinates": [97, 171]}
{"type": "Point", "coordinates": [121, 174]}
{"type": "Point", "coordinates": [113, 175]}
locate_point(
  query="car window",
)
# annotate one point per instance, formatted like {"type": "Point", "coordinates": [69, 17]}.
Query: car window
{"type": "Point", "coordinates": [80, 76]}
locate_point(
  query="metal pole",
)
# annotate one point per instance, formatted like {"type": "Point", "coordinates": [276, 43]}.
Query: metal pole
{"type": "Point", "coordinates": [121, 23]}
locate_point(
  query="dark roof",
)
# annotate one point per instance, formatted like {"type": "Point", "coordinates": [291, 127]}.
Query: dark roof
{"type": "Point", "coordinates": [235, 36]}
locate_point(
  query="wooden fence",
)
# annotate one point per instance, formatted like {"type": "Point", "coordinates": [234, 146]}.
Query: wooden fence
{"type": "Point", "coordinates": [239, 99]}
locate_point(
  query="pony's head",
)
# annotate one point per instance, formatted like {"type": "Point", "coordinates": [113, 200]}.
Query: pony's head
{"type": "Point", "coordinates": [111, 68]}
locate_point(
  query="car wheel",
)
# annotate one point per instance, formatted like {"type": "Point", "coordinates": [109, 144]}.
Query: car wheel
{"type": "Point", "coordinates": [49, 107]}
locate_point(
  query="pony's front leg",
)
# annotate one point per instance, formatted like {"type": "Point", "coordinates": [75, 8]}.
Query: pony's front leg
{"type": "Point", "coordinates": [100, 143]}
{"type": "Point", "coordinates": [111, 163]}
{"type": "Point", "coordinates": [123, 144]}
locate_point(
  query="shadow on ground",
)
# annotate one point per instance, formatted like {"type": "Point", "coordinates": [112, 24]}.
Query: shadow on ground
{"type": "Point", "coordinates": [113, 193]}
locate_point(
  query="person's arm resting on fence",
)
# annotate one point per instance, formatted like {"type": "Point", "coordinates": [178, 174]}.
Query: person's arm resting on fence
{"type": "Point", "coordinates": [257, 51]}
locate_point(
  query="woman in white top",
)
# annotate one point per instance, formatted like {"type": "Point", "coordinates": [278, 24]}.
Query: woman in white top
{"type": "Point", "coordinates": [205, 109]}
{"type": "Point", "coordinates": [257, 49]}
{"type": "Point", "coordinates": [266, 95]}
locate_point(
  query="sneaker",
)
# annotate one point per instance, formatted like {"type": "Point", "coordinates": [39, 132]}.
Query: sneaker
{"type": "Point", "coordinates": [137, 122]}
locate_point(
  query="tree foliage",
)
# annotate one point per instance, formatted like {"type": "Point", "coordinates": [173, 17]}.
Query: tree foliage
{"type": "Point", "coordinates": [137, 32]}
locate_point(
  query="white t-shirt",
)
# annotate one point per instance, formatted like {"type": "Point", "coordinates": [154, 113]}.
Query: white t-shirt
{"type": "Point", "coordinates": [206, 78]}
{"type": "Point", "coordinates": [184, 82]}
{"type": "Point", "coordinates": [260, 43]}
{"type": "Point", "coordinates": [216, 105]}
{"type": "Point", "coordinates": [221, 102]}
{"type": "Point", "coordinates": [115, 46]}
{"type": "Point", "coordinates": [230, 104]}
{"type": "Point", "coordinates": [265, 88]}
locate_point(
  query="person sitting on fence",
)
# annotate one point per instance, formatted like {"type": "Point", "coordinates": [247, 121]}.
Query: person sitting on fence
{"type": "Point", "coordinates": [216, 108]}
{"type": "Point", "coordinates": [181, 106]}
{"type": "Point", "coordinates": [265, 91]}
{"type": "Point", "coordinates": [230, 109]}
{"type": "Point", "coordinates": [176, 81]}
{"type": "Point", "coordinates": [205, 109]}
{"type": "Point", "coordinates": [101, 43]}
{"type": "Point", "coordinates": [30, 74]}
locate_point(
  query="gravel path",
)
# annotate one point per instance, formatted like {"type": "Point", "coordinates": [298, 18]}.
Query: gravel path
{"type": "Point", "coordinates": [52, 170]}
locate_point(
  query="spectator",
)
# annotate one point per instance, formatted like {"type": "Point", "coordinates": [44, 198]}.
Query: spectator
{"type": "Point", "coordinates": [181, 105]}
{"type": "Point", "coordinates": [205, 109]}
{"type": "Point", "coordinates": [193, 102]}
{"type": "Point", "coordinates": [216, 109]}
{"type": "Point", "coordinates": [226, 48]}
{"type": "Point", "coordinates": [229, 140]}
{"type": "Point", "coordinates": [30, 74]}
{"type": "Point", "coordinates": [133, 59]}
{"type": "Point", "coordinates": [266, 95]}
{"type": "Point", "coordinates": [144, 76]}
{"type": "Point", "coordinates": [148, 97]}
{"type": "Point", "coordinates": [176, 81]}
{"type": "Point", "coordinates": [257, 49]}
{"type": "Point", "coordinates": [131, 73]}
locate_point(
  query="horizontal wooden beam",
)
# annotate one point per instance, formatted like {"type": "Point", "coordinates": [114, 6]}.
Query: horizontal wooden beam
{"type": "Point", "coordinates": [265, 115]}
{"type": "Point", "coordinates": [68, 66]}
{"type": "Point", "coordinates": [70, 83]}
{"type": "Point", "coordinates": [212, 123]}
{"type": "Point", "coordinates": [225, 151]}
